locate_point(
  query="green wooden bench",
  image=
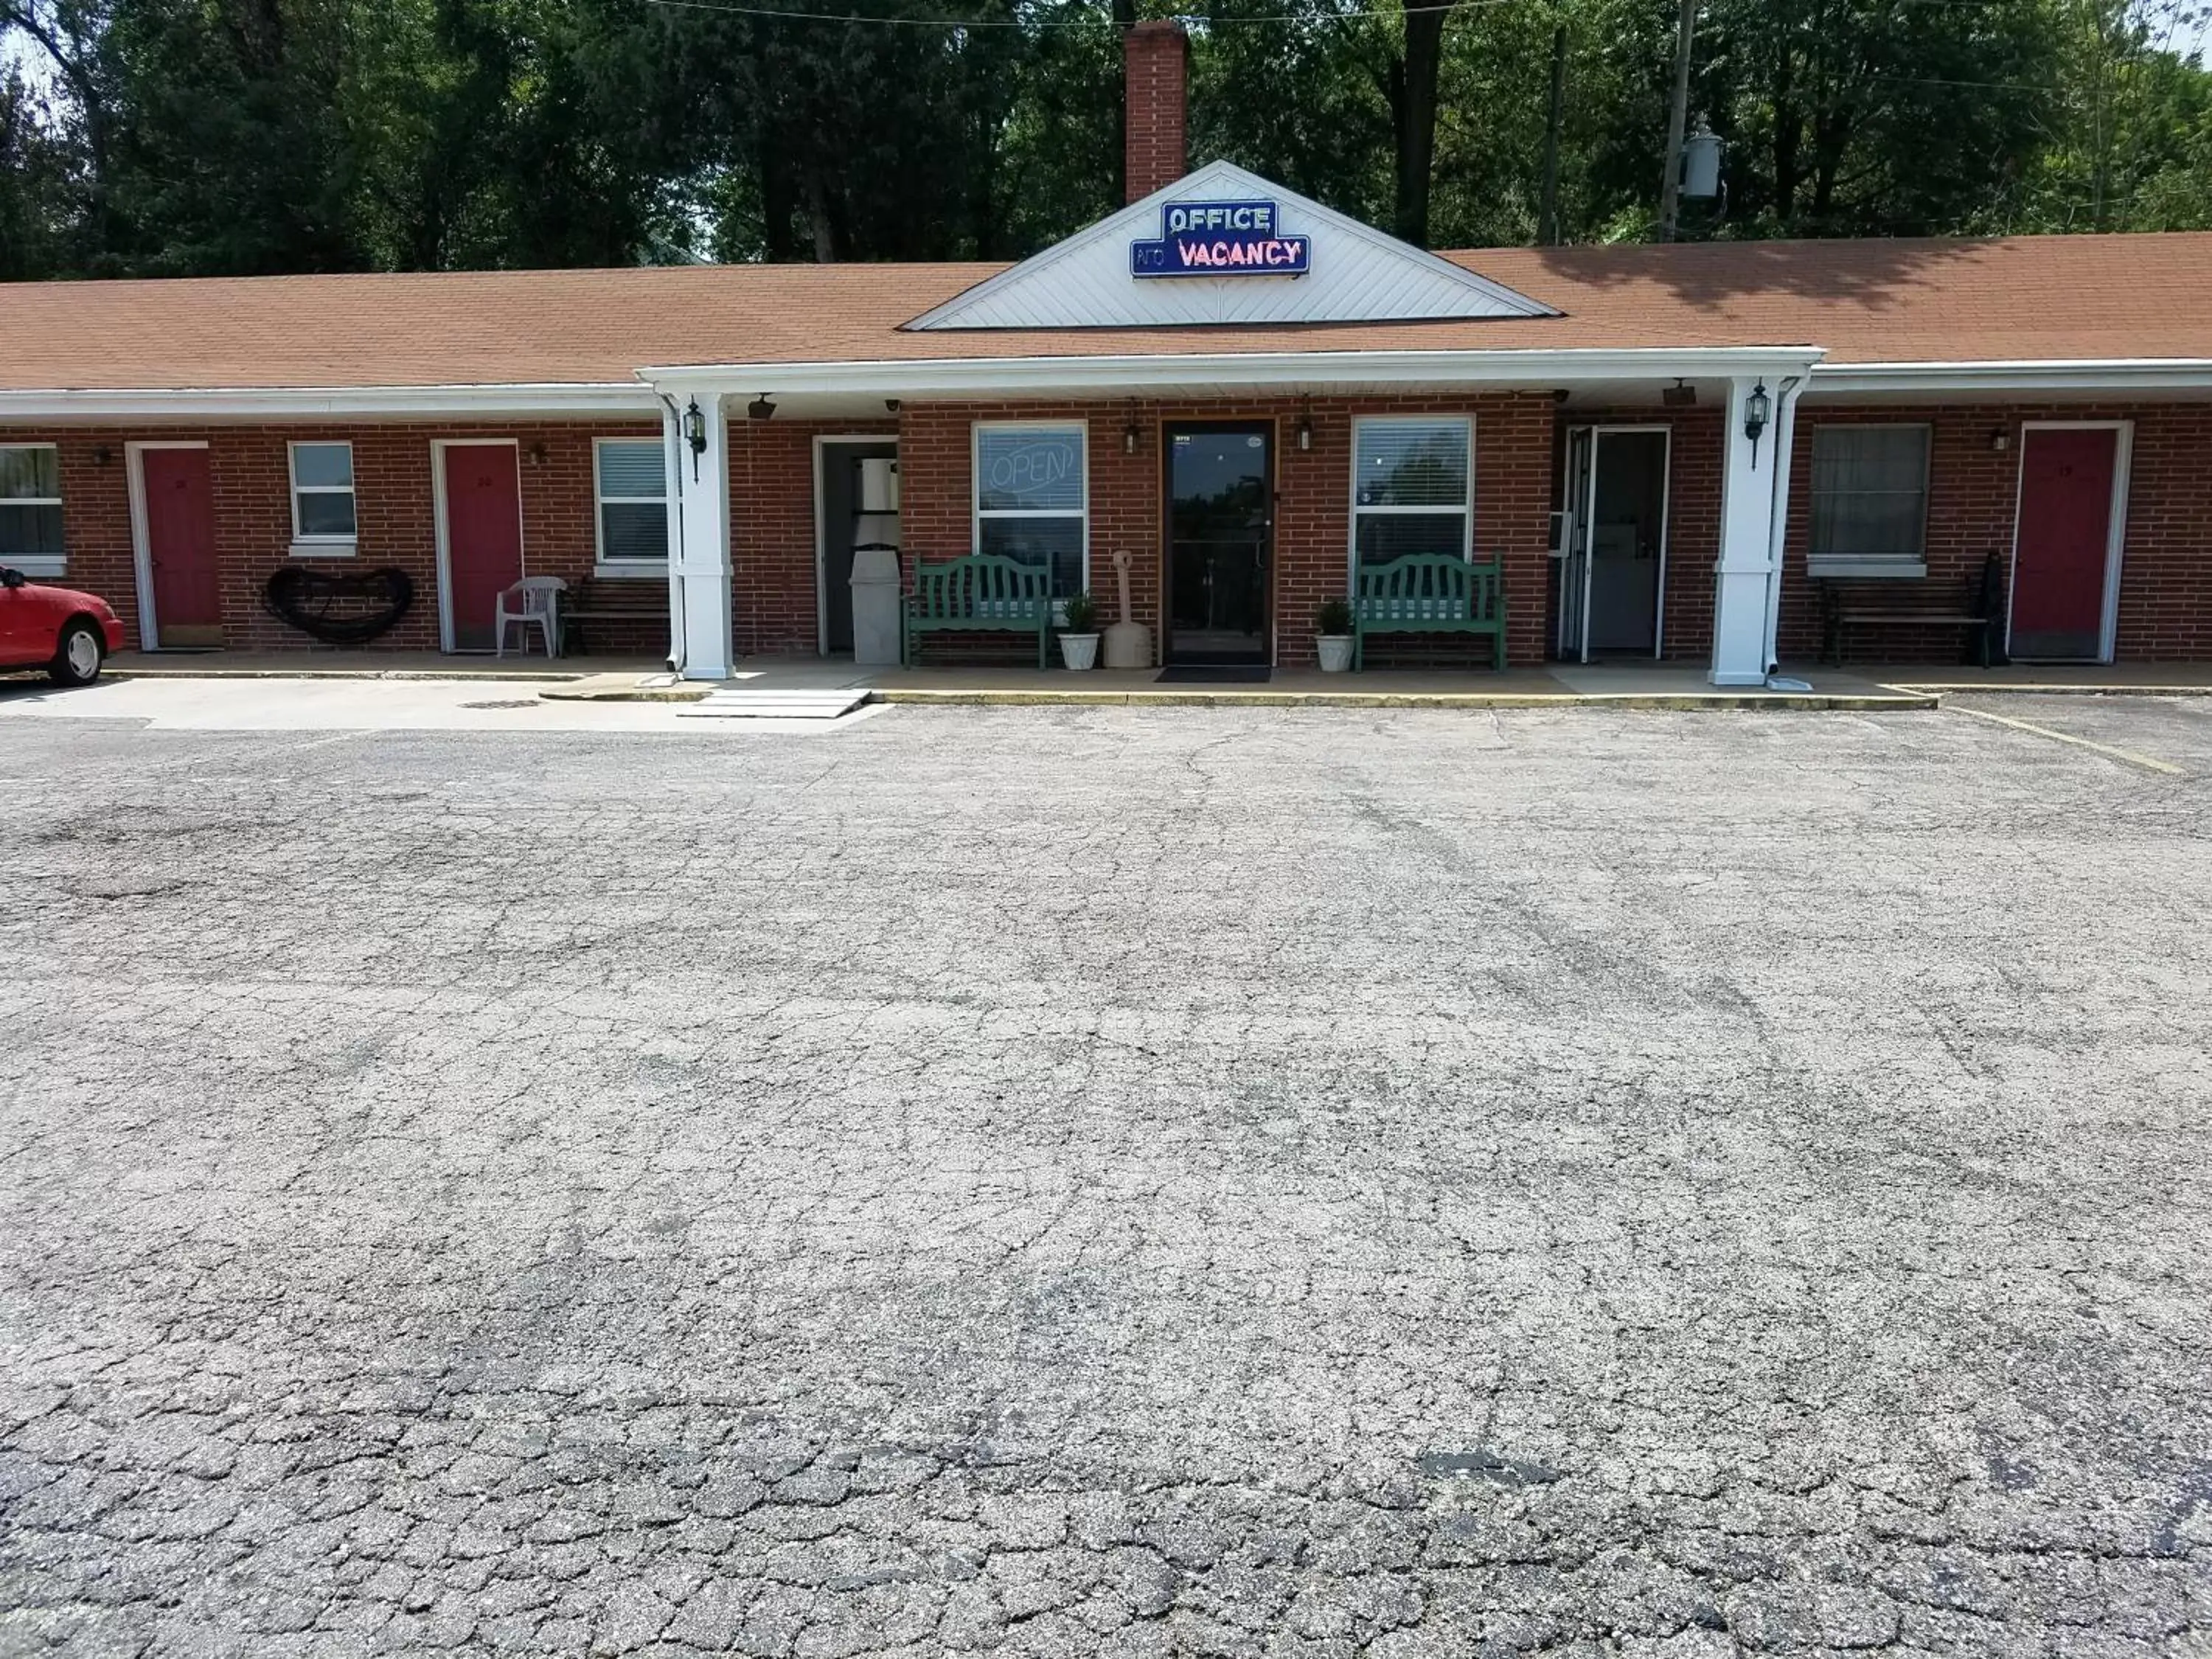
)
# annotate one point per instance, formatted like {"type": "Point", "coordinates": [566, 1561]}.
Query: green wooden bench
{"type": "Point", "coordinates": [1429, 593]}
{"type": "Point", "coordinates": [984, 593]}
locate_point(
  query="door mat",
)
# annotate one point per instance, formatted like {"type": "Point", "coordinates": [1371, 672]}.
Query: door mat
{"type": "Point", "coordinates": [1208, 673]}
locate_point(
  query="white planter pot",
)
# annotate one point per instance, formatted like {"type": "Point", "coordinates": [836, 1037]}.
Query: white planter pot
{"type": "Point", "coordinates": [1079, 650]}
{"type": "Point", "coordinates": [1335, 652]}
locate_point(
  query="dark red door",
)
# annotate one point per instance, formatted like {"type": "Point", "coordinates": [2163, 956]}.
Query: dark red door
{"type": "Point", "coordinates": [2066, 480]}
{"type": "Point", "coordinates": [180, 546]}
{"type": "Point", "coordinates": [483, 537]}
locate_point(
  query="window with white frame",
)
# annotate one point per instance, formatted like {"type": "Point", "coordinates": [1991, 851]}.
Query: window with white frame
{"type": "Point", "coordinates": [323, 520]}
{"type": "Point", "coordinates": [1412, 488]}
{"type": "Point", "coordinates": [31, 508]}
{"type": "Point", "coordinates": [1032, 500]}
{"type": "Point", "coordinates": [1870, 498]}
{"type": "Point", "coordinates": [631, 476]}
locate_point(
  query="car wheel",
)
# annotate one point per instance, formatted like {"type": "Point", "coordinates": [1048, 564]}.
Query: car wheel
{"type": "Point", "coordinates": [77, 663]}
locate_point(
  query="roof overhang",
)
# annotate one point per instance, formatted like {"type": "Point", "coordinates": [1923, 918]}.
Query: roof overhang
{"type": "Point", "coordinates": [1186, 372]}
{"type": "Point", "coordinates": [2132, 376]}
{"type": "Point", "coordinates": [624, 397]}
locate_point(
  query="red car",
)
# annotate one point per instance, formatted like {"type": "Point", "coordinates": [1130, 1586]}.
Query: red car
{"type": "Point", "coordinates": [64, 632]}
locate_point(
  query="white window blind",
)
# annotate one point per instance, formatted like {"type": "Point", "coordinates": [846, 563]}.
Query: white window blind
{"type": "Point", "coordinates": [632, 501]}
{"type": "Point", "coordinates": [1412, 489]}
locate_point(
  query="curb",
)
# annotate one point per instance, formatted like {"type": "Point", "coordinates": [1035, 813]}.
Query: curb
{"type": "Point", "coordinates": [2048, 688]}
{"type": "Point", "coordinates": [1691, 703]}
{"type": "Point", "coordinates": [136, 672]}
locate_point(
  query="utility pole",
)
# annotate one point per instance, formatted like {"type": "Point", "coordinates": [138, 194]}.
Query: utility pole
{"type": "Point", "coordinates": [1547, 216]}
{"type": "Point", "coordinates": [1678, 121]}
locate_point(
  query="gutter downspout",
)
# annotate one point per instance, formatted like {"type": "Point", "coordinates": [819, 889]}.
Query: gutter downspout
{"type": "Point", "coordinates": [671, 439]}
{"type": "Point", "coordinates": [1777, 527]}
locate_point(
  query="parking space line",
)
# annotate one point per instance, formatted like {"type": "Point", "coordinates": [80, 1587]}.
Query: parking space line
{"type": "Point", "coordinates": [2127, 754]}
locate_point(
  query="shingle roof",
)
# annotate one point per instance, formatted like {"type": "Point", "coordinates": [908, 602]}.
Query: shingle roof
{"type": "Point", "coordinates": [2020, 299]}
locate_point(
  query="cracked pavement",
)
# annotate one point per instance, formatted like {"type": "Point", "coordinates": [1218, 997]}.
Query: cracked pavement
{"type": "Point", "coordinates": [1104, 1182]}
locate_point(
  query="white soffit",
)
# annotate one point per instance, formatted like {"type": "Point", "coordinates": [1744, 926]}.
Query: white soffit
{"type": "Point", "coordinates": [1358, 275]}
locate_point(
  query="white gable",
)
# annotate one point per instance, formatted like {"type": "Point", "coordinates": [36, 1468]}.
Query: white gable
{"type": "Point", "coordinates": [1355, 274]}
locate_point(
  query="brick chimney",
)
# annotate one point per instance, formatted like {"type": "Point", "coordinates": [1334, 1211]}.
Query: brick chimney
{"type": "Point", "coordinates": [1156, 70]}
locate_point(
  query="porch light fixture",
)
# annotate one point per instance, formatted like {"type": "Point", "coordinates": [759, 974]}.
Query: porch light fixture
{"type": "Point", "coordinates": [891, 404]}
{"type": "Point", "coordinates": [2000, 439]}
{"type": "Point", "coordinates": [762, 408]}
{"type": "Point", "coordinates": [101, 455]}
{"type": "Point", "coordinates": [695, 433]}
{"type": "Point", "coordinates": [1680, 395]}
{"type": "Point", "coordinates": [537, 453]}
{"type": "Point", "coordinates": [1130, 436]}
{"type": "Point", "coordinates": [1756, 410]}
{"type": "Point", "coordinates": [1305, 426]}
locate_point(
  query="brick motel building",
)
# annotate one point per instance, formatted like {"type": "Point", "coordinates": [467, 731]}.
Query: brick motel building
{"type": "Point", "coordinates": [1671, 452]}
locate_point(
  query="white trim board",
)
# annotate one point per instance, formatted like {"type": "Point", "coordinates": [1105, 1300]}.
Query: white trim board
{"type": "Point", "coordinates": [2116, 527]}
{"type": "Point", "coordinates": [1189, 373]}
{"type": "Point", "coordinates": [439, 528]}
{"type": "Point", "coordinates": [141, 540]}
{"type": "Point", "coordinates": [822, 440]}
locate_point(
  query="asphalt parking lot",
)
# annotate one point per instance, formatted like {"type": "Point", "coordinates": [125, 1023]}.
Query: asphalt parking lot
{"type": "Point", "coordinates": [1109, 1182]}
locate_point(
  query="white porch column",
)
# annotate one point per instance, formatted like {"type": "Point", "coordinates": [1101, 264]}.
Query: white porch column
{"type": "Point", "coordinates": [699, 542]}
{"type": "Point", "coordinates": [1754, 502]}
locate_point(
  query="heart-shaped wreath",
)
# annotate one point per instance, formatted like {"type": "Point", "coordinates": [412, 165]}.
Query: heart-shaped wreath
{"type": "Point", "coordinates": [340, 607]}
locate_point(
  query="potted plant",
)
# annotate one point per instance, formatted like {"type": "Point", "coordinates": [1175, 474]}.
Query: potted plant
{"type": "Point", "coordinates": [1079, 637]}
{"type": "Point", "coordinates": [1333, 622]}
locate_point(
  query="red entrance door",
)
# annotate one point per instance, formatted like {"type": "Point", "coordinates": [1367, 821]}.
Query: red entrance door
{"type": "Point", "coordinates": [2067, 475]}
{"type": "Point", "coordinates": [180, 546]}
{"type": "Point", "coordinates": [483, 537]}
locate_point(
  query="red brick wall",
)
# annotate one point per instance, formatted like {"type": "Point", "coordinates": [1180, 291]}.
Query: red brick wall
{"type": "Point", "coordinates": [392, 504]}
{"type": "Point", "coordinates": [772, 532]}
{"type": "Point", "coordinates": [1312, 555]}
{"type": "Point", "coordinates": [1156, 73]}
{"type": "Point", "coordinates": [2165, 563]}
{"type": "Point", "coordinates": [2166, 574]}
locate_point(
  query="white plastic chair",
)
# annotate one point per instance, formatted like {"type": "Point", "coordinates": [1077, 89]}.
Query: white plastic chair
{"type": "Point", "coordinates": [533, 600]}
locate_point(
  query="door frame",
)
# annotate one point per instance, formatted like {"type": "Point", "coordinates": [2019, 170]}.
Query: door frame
{"type": "Point", "coordinates": [438, 448]}
{"type": "Point", "coordinates": [822, 442]}
{"type": "Point", "coordinates": [1582, 516]}
{"type": "Point", "coordinates": [2116, 528]}
{"type": "Point", "coordinates": [1270, 429]}
{"type": "Point", "coordinates": [142, 541]}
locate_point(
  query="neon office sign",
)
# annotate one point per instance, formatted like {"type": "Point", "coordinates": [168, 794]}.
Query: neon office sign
{"type": "Point", "coordinates": [1220, 239]}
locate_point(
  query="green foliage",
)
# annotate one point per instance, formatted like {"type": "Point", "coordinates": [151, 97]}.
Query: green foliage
{"type": "Point", "coordinates": [1081, 612]}
{"type": "Point", "coordinates": [160, 136]}
{"type": "Point", "coordinates": [1332, 620]}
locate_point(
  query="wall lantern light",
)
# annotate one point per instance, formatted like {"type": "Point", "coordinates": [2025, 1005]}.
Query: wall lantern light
{"type": "Point", "coordinates": [762, 408]}
{"type": "Point", "coordinates": [695, 433]}
{"type": "Point", "coordinates": [1305, 426]}
{"type": "Point", "coordinates": [1756, 410]}
{"type": "Point", "coordinates": [1130, 436]}
{"type": "Point", "coordinates": [537, 453]}
{"type": "Point", "coordinates": [2000, 439]}
{"type": "Point", "coordinates": [101, 455]}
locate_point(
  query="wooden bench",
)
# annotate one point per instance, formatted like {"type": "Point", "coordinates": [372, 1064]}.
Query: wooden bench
{"type": "Point", "coordinates": [1972, 606]}
{"type": "Point", "coordinates": [982, 593]}
{"type": "Point", "coordinates": [1429, 593]}
{"type": "Point", "coordinates": [633, 603]}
